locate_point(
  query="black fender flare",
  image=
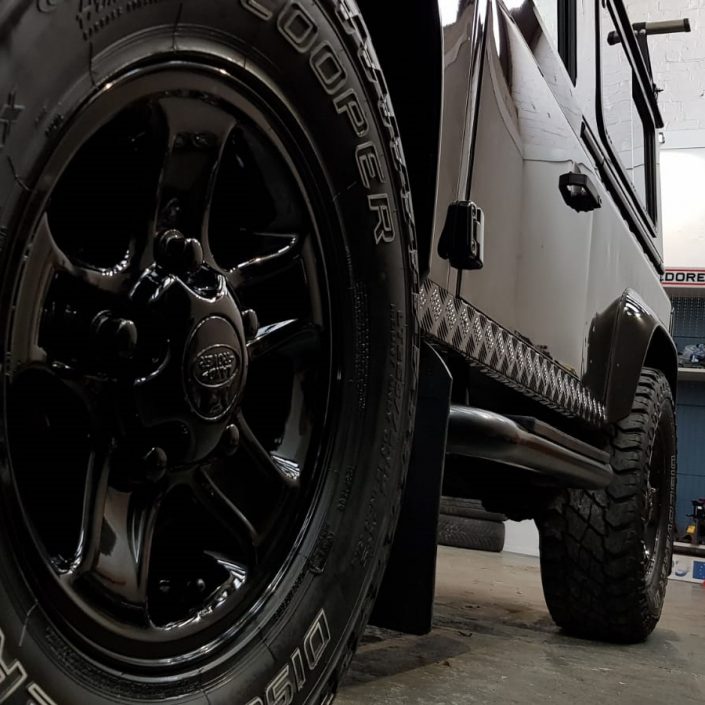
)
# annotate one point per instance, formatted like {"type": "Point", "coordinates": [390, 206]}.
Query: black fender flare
{"type": "Point", "coordinates": [624, 339]}
{"type": "Point", "coordinates": [408, 38]}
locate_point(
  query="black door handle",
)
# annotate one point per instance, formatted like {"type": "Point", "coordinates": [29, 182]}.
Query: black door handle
{"type": "Point", "coordinates": [579, 192]}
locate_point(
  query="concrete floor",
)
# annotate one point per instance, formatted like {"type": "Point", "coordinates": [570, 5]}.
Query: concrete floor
{"type": "Point", "coordinates": [494, 643]}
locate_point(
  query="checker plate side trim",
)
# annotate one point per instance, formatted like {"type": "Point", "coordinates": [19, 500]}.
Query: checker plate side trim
{"type": "Point", "coordinates": [505, 356]}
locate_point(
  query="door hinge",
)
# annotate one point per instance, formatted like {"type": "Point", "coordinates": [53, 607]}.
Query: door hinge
{"type": "Point", "coordinates": [462, 241]}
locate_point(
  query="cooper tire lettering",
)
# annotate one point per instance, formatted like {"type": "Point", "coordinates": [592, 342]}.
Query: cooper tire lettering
{"type": "Point", "coordinates": [316, 640]}
{"type": "Point", "coordinates": [384, 230]}
{"type": "Point", "coordinates": [349, 104]}
{"type": "Point", "coordinates": [328, 68]}
{"type": "Point", "coordinates": [292, 677]}
{"type": "Point", "coordinates": [38, 696]}
{"type": "Point", "coordinates": [299, 672]}
{"type": "Point", "coordinates": [257, 9]}
{"type": "Point", "coordinates": [12, 673]}
{"type": "Point", "coordinates": [298, 27]}
{"type": "Point", "coordinates": [369, 164]}
{"type": "Point", "coordinates": [281, 690]}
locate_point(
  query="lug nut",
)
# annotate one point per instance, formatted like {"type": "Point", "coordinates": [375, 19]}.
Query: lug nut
{"type": "Point", "coordinates": [178, 253]}
{"type": "Point", "coordinates": [230, 441]}
{"type": "Point", "coordinates": [155, 463]}
{"type": "Point", "coordinates": [250, 323]}
{"type": "Point", "coordinates": [116, 334]}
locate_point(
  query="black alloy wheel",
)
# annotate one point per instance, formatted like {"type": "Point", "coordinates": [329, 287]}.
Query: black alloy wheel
{"type": "Point", "coordinates": [170, 362]}
{"type": "Point", "coordinates": [207, 281]}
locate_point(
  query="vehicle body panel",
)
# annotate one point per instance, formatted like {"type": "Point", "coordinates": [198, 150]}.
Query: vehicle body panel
{"type": "Point", "coordinates": [568, 307]}
{"type": "Point", "coordinates": [548, 270]}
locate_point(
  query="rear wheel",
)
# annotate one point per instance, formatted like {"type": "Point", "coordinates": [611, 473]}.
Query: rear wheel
{"type": "Point", "coordinates": [210, 350]}
{"type": "Point", "coordinates": [606, 554]}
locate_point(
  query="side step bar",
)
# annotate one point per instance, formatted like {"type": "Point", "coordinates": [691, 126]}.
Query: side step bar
{"type": "Point", "coordinates": [527, 443]}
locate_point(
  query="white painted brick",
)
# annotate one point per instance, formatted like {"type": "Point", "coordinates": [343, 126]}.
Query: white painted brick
{"type": "Point", "coordinates": [678, 60]}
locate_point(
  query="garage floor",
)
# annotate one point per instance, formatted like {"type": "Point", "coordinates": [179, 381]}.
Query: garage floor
{"type": "Point", "coordinates": [494, 642]}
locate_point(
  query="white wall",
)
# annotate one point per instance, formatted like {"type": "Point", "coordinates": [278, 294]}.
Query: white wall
{"type": "Point", "coordinates": [683, 194]}
{"type": "Point", "coordinates": [678, 60]}
{"type": "Point", "coordinates": [522, 537]}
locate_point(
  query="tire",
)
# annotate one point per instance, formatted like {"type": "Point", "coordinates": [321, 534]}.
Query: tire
{"type": "Point", "coordinates": [259, 457]}
{"type": "Point", "coordinates": [606, 554]}
{"type": "Point", "coordinates": [469, 508]}
{"type": "Point", "coordinates": [474, 534]}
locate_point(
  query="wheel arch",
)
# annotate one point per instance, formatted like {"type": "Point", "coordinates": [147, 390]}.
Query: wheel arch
{"type": "Point", "coordinates": [413, 67]}
{"type": "Point", "coordinates": [663, 355]}
{"type": "Point", "coordinates": [624, 339]}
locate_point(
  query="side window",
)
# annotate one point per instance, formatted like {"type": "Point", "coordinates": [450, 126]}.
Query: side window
{"type": "Point", "coordinates": [624, 112]}
{"type": "Point", "coordinates": [559, 18]}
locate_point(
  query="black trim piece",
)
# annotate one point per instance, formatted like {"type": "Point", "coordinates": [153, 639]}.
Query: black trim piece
{"type": "Point", "coordinates": [568, 37]}
{"type": "Point", "coordinates": [579, 192]}
{"type": "Point", "coordinates": [478, 72]}
{"type": "Point", "coordinates": [643, 230]}
{"type": "Point", "coordinates": [504, 356]}
{"type": "Point", "coordinates": [647, 105]}
{"type": "Point", "coordinates": [405, 599]}
{"type": "Point", "coordinates": [625, 338]}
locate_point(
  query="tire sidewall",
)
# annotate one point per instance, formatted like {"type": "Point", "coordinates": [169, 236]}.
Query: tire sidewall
{"type": "Point", "coordinates": [328, 589]}
{"type": "Point", "coordinates": [656, 586]}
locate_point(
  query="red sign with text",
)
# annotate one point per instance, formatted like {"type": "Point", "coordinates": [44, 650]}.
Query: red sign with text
{"type": "Point", "coordinates": [684, 278]}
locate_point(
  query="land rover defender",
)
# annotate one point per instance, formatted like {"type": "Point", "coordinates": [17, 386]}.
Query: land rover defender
{"type": "Point", "coordinates": [275, 275]}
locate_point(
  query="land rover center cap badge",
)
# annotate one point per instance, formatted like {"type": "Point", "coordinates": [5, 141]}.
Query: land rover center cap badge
{"type": "Point", "coordinates": [214, 369]}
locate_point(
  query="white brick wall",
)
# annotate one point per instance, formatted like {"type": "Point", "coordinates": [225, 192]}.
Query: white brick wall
{"type": "Point", "coordinates": [678, 60]}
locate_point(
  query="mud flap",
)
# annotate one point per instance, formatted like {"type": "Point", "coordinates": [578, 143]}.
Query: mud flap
{"type": "Point", "coordinates": [405, 599]}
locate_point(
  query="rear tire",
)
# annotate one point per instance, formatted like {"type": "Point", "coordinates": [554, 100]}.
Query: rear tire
{"type": "Point", "coordinates": [606, 554]}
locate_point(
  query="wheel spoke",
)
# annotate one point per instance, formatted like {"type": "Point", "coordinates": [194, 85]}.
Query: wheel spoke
{"type": "Point", "coordinates": [39, 271]}
{"type": "Point", "coordinates": [197, 135]}
{"type": "Point", "coordinates": [125, 543]}
{"type": "Point", "coordinates": [280, 469]}
{"type": "Point", "coordinates": [93, 513]}
{"type": "Point", "coordinates": [224, 510]}
{"type": "Point", "coordinates": [259, 269]}
{"type": "Point", "coordinates": [294, 336]}
{"type": "Point", "coordinates": [48, 259]}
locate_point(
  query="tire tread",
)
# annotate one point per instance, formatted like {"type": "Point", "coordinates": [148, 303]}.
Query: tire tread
{"type": "Point", "coordinates": [592, 559]}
